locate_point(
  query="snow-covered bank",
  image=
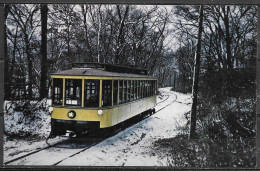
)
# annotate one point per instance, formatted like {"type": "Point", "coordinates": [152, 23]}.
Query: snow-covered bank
{"type": "Point", "coordinates": [27, 118]}
{"type": "Point", "coordinates": [131, 147]}
{"type": "Point", "coordinates": [27, 125]}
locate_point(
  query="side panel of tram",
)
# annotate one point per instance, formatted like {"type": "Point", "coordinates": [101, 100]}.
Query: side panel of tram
{"type": "Point", "coordinates": [117, 98]}
{"type": "Point", "coordinates": [109, 117]}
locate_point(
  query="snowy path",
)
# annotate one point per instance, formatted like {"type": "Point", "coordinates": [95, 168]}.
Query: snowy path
{"type": "Point", "coordinates": [131, 147]}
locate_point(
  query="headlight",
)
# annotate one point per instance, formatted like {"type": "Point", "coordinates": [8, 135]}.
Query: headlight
{"type": "Point", "coordinates": [100, 112]}
{"type": "Point", "coordinates": [50, 109]}
{"type": "Point", "coordinates": [71, 114]}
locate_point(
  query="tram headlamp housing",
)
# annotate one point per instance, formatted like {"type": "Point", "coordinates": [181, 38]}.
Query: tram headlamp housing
{"type": "Point", "coordinates": [100, 112]}
{"type": "Point", "coordinates": [71, 114]}
{"type": "Point", "coordinates": [50, 109]}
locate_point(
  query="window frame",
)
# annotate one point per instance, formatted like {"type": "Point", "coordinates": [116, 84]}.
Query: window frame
{"type": "Point", "coordinates": [73, 87]}
{"type": "Point", "coordinates": [131, 90]}
{"type": "Point", "coordinates": [121, 92]}
{"type": "Point", "coordinates": [106, 93]}
{"type": "Point", "coordinates": [97, 89]}
{"type": "Point", "coordinates": [125, 91]}
{"type": "Point", "coordinates": [61, 91]}
{"type": "Point", "coordinates": [115, 91]}
{"type": "Point", "coordinates": [128, 90]}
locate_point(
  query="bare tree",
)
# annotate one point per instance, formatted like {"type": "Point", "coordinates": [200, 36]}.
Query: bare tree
{"type": "Point", "coordinates": [6, 62]}
{"type": "Point", "coordinates": [126, 35]}
{"type": "Point", "coordinates": [43, 90]}
{"type": "Point", "coordinates": [23, 16]}
{"type": "Point", "coordinates": [120, 36]}
{"type": "Point", "coordinates": [195, 84]}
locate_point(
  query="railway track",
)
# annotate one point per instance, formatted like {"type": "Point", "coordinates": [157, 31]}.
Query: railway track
{"type": "Point", "coordinates": [82, 150]}
{"type": "Point", "coordinates": [28, 154]}
{"type": "Point", "coordinates": [87, 142]}
{"type": "Point", "coordinates": [81, 144]}
{"type": "Point", "coordinates": [165, 100]}
{"type": "Point", "coordinates": [125, 127]}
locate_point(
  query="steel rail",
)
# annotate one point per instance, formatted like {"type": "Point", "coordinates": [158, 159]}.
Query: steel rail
{"type": "Point", "coordinates": [92, 144]}
{"type": "Point", "coordinates": [28, 154]}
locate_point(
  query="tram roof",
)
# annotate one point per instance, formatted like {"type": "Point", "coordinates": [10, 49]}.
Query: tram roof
{"type": "Point", "coordinates": [99, 73]}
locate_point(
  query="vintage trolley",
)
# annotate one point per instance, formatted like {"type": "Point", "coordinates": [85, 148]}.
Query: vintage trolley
{"type": "Point", "coordinates": [93, 96]}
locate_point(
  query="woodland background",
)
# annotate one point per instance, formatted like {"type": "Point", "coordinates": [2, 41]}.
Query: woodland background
{"type": "Point", "coordinates": [43, 39]}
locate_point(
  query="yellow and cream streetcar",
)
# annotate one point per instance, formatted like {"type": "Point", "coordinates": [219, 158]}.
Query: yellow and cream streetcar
{"type": "Point", "coordinates": [91, 96]}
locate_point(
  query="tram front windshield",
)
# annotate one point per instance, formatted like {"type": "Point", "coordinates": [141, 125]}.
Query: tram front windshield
{"type": "Point", "coordinates": [57, 91]}
{"type": "Point", "coordinates": [73, 92]}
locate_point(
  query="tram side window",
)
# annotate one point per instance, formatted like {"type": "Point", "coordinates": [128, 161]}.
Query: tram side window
{"type": "Point", "coordinates": [91, 93]}
{"type": "Point", "coordinates": [150, 87]}
{"type": "Point", "coordinates": [121, 92]}
{"type": "Point", "coordinates": [57, 91]}
{"type": "Point", "coordinates": [153, 87]}
{"type": "Point", "coordinates": [129, 90]}
{"type": "Point", "coordinates": [125, 91]}
{"type": "Point", "coordinates": [115, 92]}
{"type": "Point", "coordinates": [147, 88]}
{"type": "Point", "coordinates": [107, 93]}
{"type": "Point", "coordinates": [73, 92]}
{"type": "Point", "coordinates": [138, 89]}
{"type": "Point", "coordinates": [142, 89]}
{"type": "Point", "coordinates": [135, 89]}
{"type": "Point", "coordinates": [132, 91]}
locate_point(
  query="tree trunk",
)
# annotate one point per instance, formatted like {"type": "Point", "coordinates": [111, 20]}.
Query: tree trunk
{"type": "Point", "coordinates": [99, 30]}
{"type": "Point", "coordinates": [174, 81]}
{"type": "Point", "coordinates": [195, 84]}
{"type": "Point", "coordinates": [6, 62]}
{"type": "Point", "coordinates": [43, 90]}
{"type": "Point", "coordinates": [120, 37]}
{"type": "Point", "coordinates": [88, 46]}
{"type": "Point", "coordinates": [227, 38]}
{"type": "Point", "coordinates": [184, 82]}
{"type": "Point", "coordinates": [11, 73]}
{"type": "Point", "coordinates": [29, 63]}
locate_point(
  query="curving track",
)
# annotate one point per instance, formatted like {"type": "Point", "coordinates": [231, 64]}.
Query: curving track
{"type": "Point", "coordinates": [165, 100]}
{"type": "Point", "coordinates": [76, 145]}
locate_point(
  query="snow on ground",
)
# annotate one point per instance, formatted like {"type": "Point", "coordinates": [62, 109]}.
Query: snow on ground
{"type": "Point", "coordinates": [15, 148]}
{"type": "Point", "coordinates": [22, 118]}
{"type": "Point", "coordinates": [134, 146]}
{"type": "Point", "coordinates": [131, 147]}
{"type": "Point", "coordinates": [18, 125]}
